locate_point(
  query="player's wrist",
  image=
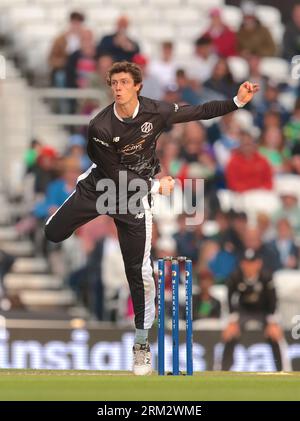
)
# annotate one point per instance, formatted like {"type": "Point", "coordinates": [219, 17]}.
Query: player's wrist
{"type": "Point", "coordinates": [239, 103]}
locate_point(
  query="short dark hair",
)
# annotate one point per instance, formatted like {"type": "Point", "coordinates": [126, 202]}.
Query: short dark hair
{"type": "Point", "coordinates": [204, 40]}
{"type": "Point", "coordinates": [77, 16]}
{"type": "Point", "coordinates": [126, 67]}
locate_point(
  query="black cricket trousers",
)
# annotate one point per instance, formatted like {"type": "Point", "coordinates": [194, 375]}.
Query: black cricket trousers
{"type": "Point", "coordinates": [134, 232]}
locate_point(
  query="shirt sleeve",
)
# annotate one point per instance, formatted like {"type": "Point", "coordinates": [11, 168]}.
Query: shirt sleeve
{"type": "Point", "coordinates": [184, 113]}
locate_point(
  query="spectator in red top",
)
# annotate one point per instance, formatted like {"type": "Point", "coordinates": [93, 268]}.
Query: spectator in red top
{"type": "Point", "coordinates": [223, 38]}
{"type": "Point", "coordinates": [247, 169]}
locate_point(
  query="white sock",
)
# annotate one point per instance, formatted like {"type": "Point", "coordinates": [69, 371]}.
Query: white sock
{"type": "Point", "coordinates": [141, 336]}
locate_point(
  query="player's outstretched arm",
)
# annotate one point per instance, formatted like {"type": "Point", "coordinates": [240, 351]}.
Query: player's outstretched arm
{"type": "Point", "coordinates": [183, 113]}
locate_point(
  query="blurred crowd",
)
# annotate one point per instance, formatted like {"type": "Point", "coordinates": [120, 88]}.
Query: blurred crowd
{"type": "Point", "coordinates": [239, 152]}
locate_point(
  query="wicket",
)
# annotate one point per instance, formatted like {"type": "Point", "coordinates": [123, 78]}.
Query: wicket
{"type": "Point", "coordinates": [175, 262]}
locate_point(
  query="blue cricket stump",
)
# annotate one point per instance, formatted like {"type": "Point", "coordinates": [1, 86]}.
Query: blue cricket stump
{"type": "Point", "coordinates": [161, 317]}
{"type": "Point", "coordinates": [175, 314]}
{"type": "Point", "coordinates": [189, 316]}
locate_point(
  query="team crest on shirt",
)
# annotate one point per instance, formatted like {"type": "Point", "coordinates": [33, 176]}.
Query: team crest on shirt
{"type": "Point", "coordinates": [116, 139]}
{"type": "Point", "coordinates": [147, 127]}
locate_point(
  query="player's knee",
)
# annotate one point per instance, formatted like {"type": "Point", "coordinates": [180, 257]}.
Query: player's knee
{"type": "Point", "coordinates": [53, 235]}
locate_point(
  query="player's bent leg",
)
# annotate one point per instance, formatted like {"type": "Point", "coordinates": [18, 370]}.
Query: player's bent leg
{"type": "Point", "coordinates": [78, 209]}
{"type": "Point", "coordinates": [56, 227]}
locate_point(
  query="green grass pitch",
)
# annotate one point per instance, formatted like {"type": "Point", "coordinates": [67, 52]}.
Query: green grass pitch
{"type": "Point", "coordinates": [109, 386]}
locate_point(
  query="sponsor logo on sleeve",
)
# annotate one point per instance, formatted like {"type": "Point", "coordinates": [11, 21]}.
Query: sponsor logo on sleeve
{"type": "Point", "coordinates": [100, 141]}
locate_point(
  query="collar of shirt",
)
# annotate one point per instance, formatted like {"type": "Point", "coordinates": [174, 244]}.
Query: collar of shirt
{"type": "Point", "coordinates": [133, 115]}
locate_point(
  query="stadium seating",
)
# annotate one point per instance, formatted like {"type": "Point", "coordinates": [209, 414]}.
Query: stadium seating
{"type": "Point", "coordinates": [287, 283]}
{"type": "Point", "coordinates": [268, 15]}
{"type": "Point", "coordinates": [232, 16]}
{"type": "Point", "coordinates": [239, 68]}
{"type": "Point", "coordinates": [275, 68]}
{"type": "Point", "coordinates": [287, 183]}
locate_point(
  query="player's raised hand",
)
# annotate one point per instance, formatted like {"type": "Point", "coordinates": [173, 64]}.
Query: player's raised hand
{"type": "Point", "coordinates": [166, 185]}
{"type": "Point", "coordinates": [247, 91]}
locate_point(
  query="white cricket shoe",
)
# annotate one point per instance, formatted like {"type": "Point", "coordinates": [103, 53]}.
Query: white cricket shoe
{"type": "Point", "coordinates": [142, 360]}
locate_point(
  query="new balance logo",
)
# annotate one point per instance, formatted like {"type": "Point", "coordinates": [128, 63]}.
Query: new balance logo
{"type": "Point", "coordinates": [100, 141]}
{"type": "Point", "coordinates": [116, 139]}
{"type": "Point", "coordinates": [139, 215]}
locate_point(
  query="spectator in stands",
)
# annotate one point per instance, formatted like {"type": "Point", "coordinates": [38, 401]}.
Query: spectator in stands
{"type": "Point", "coordinates": [171, 95]}
{"type": "Point", "coordinates": [223, 38]}
{"type": "Point", "coordinates": [247, 169]}
{"type": "Point", "coordinates": [59, 190]}
{"type": "Point", "coordinates": [252, 239]}
{"type": "Point", "coordinates": [98, 81]}
{"type": "Point", "coordinates": [253, 37]}
{"type": "Point", "coordinates": [273, 149]}
{"type": "Point", "coordinates": [227, 142]}
{"type": "Point", "coordinates": [82, 63]}
{"type": "Point", "coordinates": [195, 148]}
{"type": "Point", "coordinates": [31, 155]}
{"type": "Point", "coordinates": [188, 89]}
{"type": "Point", "coordinates": [284, 245]}
{"type": "Point", "coordinates": [292, 128]}
{"type": "Point", "coordinates": [77, 151]}
{"type": "Point", "coordinates": [201, 66]}
{"type": "Point", "coordinates": [166, 246]}
{"type": "Point", "coordinates": [169, 156]}
{"type": "Point", "coordinates": [289, 209]}
{"type": "Point", "coordinates": [205, 306]}
{"type": "Point", "coordinates": [164, 68]}
{"type": "Point", "coordinates": [231, 238]}
{"type": "Point", "coordinates": [45, 170]}
{"type": "Point", "coordinates": [291, 44]}
{"type": "Point", "coordinates": [271, 119]}
{"type": "Point", "coordinates": [221, 80]}
{"type": "Point", "coordinates": [295, 160]}
{"type": "Point", "coordinates": [63, 46]}
{"type": "Point", "coordinates": [198, 152]}
{"type": "Point", "coordinates": [220, 262]}
{"type": "Point", "coordinates": [151, 85]}
{"type": "Point", "coordinates": [119, 45]}
{"type": "Point", "coordinates": [194, 92]}
{"type": "Point", "coordinates": [251, 297]}
{"type": "Point", "coordinates": [265, 226]}
{"type": "Point", "coordinates": [255, 74]}
{"type": "Point", "coordinates": [270, 102]}
{"type": "Point", "coordinates": [186, 243]}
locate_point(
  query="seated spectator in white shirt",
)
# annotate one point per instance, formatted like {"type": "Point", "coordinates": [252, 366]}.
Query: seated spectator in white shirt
{"type": "Point", "coordinates": [164, 69]}
{"type": "Point", "coordinates": [201, 65]}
